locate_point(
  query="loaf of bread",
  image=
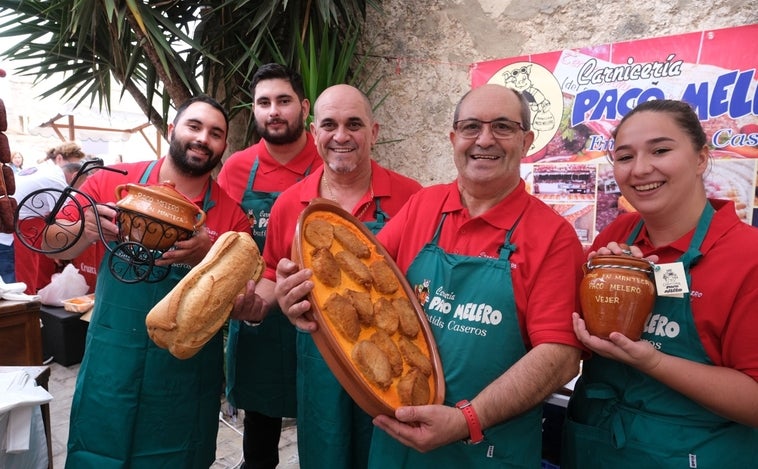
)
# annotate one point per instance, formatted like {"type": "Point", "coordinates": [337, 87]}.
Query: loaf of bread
{"type": "Point", "coordinates": [196, 308]}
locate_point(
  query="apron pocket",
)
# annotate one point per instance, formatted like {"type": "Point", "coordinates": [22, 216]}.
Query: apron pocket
{"type": "Point", "coordinates": [650, 443]}
{"type": "Point", "coordinates": [580, 444]}
{"type": "Point", "coordinates": [105, 404]}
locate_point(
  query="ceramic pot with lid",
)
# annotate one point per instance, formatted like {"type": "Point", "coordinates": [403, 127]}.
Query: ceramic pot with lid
{"type": "Point", "coordinates": [156, 216]}
{"type": "Point", "coordinates": [617, 293]}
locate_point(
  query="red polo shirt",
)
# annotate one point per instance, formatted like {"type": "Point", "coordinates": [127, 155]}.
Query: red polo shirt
{"type": "Point", "coordinates": [545, 268]}
{"type": "Point", "coordinates": [271, 176]}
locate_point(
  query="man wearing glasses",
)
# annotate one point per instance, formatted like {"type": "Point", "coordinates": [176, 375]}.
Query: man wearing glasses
{"type": "Point", "coordinates": [507, 267]}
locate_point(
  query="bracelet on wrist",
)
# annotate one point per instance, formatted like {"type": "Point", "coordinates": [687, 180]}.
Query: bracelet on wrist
{"type": "Point", "coordinates": [472, 420]}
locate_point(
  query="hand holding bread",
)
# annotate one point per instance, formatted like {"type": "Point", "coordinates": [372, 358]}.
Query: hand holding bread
{"type": "Point", "coordinates": [196, 308]}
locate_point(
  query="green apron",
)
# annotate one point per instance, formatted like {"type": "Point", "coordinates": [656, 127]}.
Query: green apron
{"type": "Point", "coordinates": [471, 361]}
{"type": "Point", "coordinates": [135, 405]}
{"type": "Point", "coordinates": [619, 417]}
{"type": "Point", "coordinates": [328, 420]}
{"type": "Point", "coordinates": [261, 360]}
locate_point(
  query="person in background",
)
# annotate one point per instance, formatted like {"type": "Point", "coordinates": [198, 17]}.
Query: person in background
{"type": "Point", "coordinates": [135, 404]}
{"type": "Point", "coordinates": [261, 360]}
{"type": "Point", "coordinates": [69, 172]}
{"type": "Point", "coordinates": [7, 254]}
{"type": "Point", "coordinates": [57, 172]}
{"type": "Point", "coordinates": [686, 394]}
{"type": "Point", "coordinates": [481, 240]}
{"type": "Point", "coordinates": [332, 431]}
{"type": "Point", "coordinates": [17, 162]}
{"type": "Point", "coordinates": [7, 258]}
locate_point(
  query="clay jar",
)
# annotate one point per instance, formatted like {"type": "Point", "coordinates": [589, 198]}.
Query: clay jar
{"type": "Point", "coordinates": [617, 294]}
{"type": "Point", "coordinates": [156, 216]}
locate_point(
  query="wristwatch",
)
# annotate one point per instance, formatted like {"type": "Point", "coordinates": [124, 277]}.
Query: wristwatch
{"type": "Point", "coordinates": [474, 426]}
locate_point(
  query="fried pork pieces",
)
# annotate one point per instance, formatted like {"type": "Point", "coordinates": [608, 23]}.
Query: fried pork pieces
{"type": "Point", "coordinates": [354, 268]}
{"type": "Point", "coordinates": [413, 388]}
{"type": "Point", "coordinates": [351, 242]}
{"type": "Point", "coordinates": [414, 356]}
{"type": "Point", "coordinates": [343, 315]}
{"type": "Point", "coordinates": [373, 363]}
{"type": "Point", "coordinates": [361, 301]}
{"type": "Point", "coordinates": [325, 267]}
{"type": "Point", "coordinates": [389, 348]}
{"type": "Point", "coordinates": [384, 278]}
{"type": "Point", "coordinates": [406, 316]}
{"type": "Point", "coordinates": [386, 356]}
{"type": "Point", "coordinates": [319, 233]}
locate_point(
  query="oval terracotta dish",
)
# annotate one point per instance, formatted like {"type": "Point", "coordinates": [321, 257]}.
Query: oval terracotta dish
{"type": "Point", "coordinates": [361, 301]}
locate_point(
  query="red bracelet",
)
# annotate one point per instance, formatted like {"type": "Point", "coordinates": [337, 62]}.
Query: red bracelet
{"type": "Point", "coordinates": [474, 426]}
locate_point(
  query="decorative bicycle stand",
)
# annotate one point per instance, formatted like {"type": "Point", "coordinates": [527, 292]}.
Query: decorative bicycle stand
{"type": "Point", "coordinates": [49, 221]}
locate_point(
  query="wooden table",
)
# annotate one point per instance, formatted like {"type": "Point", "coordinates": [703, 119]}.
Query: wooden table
{"type": "Point", "coordinates": [20, 334]}
{"type": "Point", "coordinates": [21, 349]}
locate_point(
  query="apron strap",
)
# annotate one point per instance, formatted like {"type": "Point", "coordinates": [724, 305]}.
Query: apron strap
{"type": "Point", "coordinates": [505, 252]}
{"type": "Point", "coordinates": [148, 170]}
{"type": "Point", "coordinates": [253, 172]}
{"type": "Point", "coordinates": [379, 215]}
{"type": "Point", "coordinates": [508, 247]}
{"type": "Point", "coordinates": [208, 202]}
{"type": "Point", "coordinates": [693, 253]}
{"type": "Point", "coordinates": [635, 232]}
{"type": "Point", "coordinates": [436, 238]}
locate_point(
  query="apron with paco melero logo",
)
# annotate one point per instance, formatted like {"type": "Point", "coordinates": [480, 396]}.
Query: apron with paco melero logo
{"type": "Point", "coordinates": [261, 360]}
{"type": "Point", "coordinates": [135, 404]}
{"type": "Point", "coordinates": [622, 418]}
{"type": "Point", "coordinates": [472, 312]}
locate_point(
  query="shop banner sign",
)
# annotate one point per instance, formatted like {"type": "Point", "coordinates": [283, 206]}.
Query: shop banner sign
{"type": "Point", "coordinates": [578, 96]}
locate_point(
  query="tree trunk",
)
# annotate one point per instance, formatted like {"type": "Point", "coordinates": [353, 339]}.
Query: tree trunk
{"type": "Point", "coordinates": [175, 88]}
{"type": "Point", "coordinates": [237, 131]}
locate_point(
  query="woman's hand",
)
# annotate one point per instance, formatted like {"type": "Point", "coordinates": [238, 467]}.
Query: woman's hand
{"type": "Point", "coordinates": [640, 354]}
{"type": "Point", "coordinates": [620, 249]}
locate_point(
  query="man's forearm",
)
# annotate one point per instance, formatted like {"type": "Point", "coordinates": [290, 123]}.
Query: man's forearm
{"type": "Point", "coordinates": [527, 383]}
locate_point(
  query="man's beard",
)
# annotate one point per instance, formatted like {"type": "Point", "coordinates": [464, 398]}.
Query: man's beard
{"type": "Point", "coordinates": [289, 136]}
{"type": "Point", "coordinates": [342, 167]}
{"type": "Point", "coordinates": [177, 151]}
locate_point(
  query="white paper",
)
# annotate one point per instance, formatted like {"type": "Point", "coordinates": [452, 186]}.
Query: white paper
{"type": "Point", "coordinates": [19, 395]}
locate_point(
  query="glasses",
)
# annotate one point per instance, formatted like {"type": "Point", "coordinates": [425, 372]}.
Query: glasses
{"type": "Point", "coordinates": [501, 128]}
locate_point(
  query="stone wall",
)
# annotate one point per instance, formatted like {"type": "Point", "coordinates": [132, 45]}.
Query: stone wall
{"type": "Point", "coordinates": [422, 51]}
